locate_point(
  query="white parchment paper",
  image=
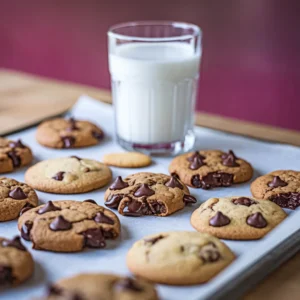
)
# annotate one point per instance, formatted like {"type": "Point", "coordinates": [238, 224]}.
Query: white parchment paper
{"type": "Point", "coordinates": [265, 157]}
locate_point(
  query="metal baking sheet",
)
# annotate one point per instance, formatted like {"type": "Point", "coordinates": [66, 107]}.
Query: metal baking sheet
{"type": "Point", "coordinates": [254, 258]}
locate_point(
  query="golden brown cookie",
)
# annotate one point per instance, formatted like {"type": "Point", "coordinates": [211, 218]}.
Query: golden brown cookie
{"type": "Point", "coordinates": [68, 175]}
{"type": "Point", "coordinates": [147, 194]}
{"type": "Point", "coordinates": [16, 263]}
{"type": "Point", "coordinates": [210, 168]}
{"type": "Point", "coordinates": [68, 226]}
{"type": "Point", "coordinates": [127, 159]}
{"type": "Point", "coordinates": [68, 133]}
{"type": "Point", "coordinates": [15, 197]}
{"type": "Point", "coordinates": [101, 286]}
{"type": "Point", "coordinates": [13, 155]}
{"type": "Point", "coordinates": [282, 187]}
{"type": "Point", "coordinates": [178, 257]}
{"type": "Point", "coordinates": [237, 218]}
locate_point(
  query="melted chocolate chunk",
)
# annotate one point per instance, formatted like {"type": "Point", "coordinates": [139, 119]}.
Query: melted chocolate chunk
{"type": "Point", "coordinates": [60, 223]}
{"type": "Point", "coordinates": [108, 233]}
{"type": "Point", "coordinates": [76, 157]}
{"type": "Point", "coordinates": [25, 230]}
{"type": "Point", "coordinates": [90, 201]}
{"type": "Point", "coordinates": [133, 209]}
{"type": "Point", "coordinates": [6, 275]}
{"type": "Point", "coordinates": [257, 220]}
{"type": "Point", "coordinates": [94, 238]}
{"type": "Point", "coordinates": [231, 153]}
{"type": "Point", "coordinates": [189, 199]}
{"type": "Point", "coordinates": [17, 194]}
{"type": "Point", "coordinates": [196, 163]}
{"type": "Point", "coordinates": [209, 253]}
{"type": "Point", "coordinates": [127, 284]}
{"type": "Point", "coordinates": [16, 144]}
{"type": "Point", "coordinates": [195, 154]}
{"type": "Point", "coordinates": [24, 209]}
{"type": "Point", "coordinates": [48, 207]}
{"type": "Point", "coordinates": [114, 201]}
{"type": "Point", "coordinates": [59, 176]}
{"type": "Point", "coordinates": [276, 182]}
{"type": "Point", "coordinates": [118, 184]}
{"type": "Point", "coordinates": [219, 220]}
{"type": "Point", "coordinates": [143, 190]}
{"type": "Point", "coordinates": [102, 218]}
{"type": "Point", "coordinates": [16, 160]}
{"type": "Point", "coordinates": [154, 240]}
{"type": "Point", "coordinates": [287, 200]}
{"type": "Point", "coordinates": [213, 179]}
{"type": "Point", "coordinates": [158, 207]}
{"type": "Point", "coordinates": [98, 135]}
{"type": "Point", "coordinates": [15, 242]}
{"type": "Point", "coordinates": [229, 159]}
{"type": "Point", "coordinates": [173, 183]}
{"type": "Point", "coordinates": [244, 201]}
{"type": "Point", "coordinates": [73, 125]}
{"type": "Point", "coordinates": [68, 141]}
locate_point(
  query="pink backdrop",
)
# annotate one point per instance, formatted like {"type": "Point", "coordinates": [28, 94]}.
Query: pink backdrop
{"type": "Point", "coordinates": [250, 68]}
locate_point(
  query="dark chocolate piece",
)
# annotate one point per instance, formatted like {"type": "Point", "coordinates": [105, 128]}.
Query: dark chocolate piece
{"type": "Point", "coordinates": [127, 284]}
{"type": "Point", "coordinates": [17, 194]}
{"type": "Point", "coordinates": [90, 201]}
{"type": "Point", "coordinates": [68, 141]}
{"type": "Point", "coordinates": [276, 182]}
{"type": "Point", "coordinates": [16, 144]}
{"type": "Point", "coordinates": [173, 183]}
{"type": "Point", "coordinates": [213, 179]}
{"type": "Point", "coordinates": [48, 207]}
{"type": "Point", "coordinates": [219, 220]}
{"type": "Point", "coordinates": [102, 218]}
{"type": "Point", "coordinates": [6, 275]}
{"type": "Point", "coordinates": [209, 253]}
{"type": "Point", "coordinates": [287, 200]}
{"type": "Point", "coordinates": [98, 135]}
{"type": "Point", "coordinates": [59, 176]}
{"type": "Point", "coordinates": [25, 230]}
{"type": "Point", "coordinates": [16, 160]}
{"type": "Point", "coordinates": [118, 184]}
{"type": "Point", "coordinates": [195, 154]}
{"type": "Point", "coordinates": [244, 201]}
{"type": "Point", "coordinates": [143, 190]}
{"type": "Point", "coordinates": [76, 157]}
{"type": "Point", "coordinates": [94, 238]}
{"type": "Point", "coordinates": [154, 240]}
{"type": "Point", "coordinates": [15, 242]}
{"type": "Point", "coordinates": [157, 207]}
{"type": "Point", "coordinates": [257, 220]}
{"type": "Point", "coordinates": [189, 199]}
{"type": "Point", "coordinates": [196, 163]}
{"type": "Point", "coordinates": [60, 223]}
{"type": "Point", "coordinates": [114, 201]}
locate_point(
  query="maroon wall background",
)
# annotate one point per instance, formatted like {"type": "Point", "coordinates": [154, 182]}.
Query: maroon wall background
{"type": "Point", "coordinates": [250, 68]}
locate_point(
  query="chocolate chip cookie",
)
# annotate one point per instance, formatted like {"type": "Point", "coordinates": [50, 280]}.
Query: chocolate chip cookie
{"type": "Point", "coordinates": [101, 286]}
{"type": "Point", "coordinates": [179, 257]}
{"type": "Point", "coordinates": [148, 194]}
{"type": "Point", "coordinates": [16, 263]}
{"type": "Point", "coordinates": [15, 197]}
{"type": "Point", "coordinates": [237, 218]}
{"type": "Point", "coordinates": [68, 133]}
{"type": "Point", "coordinates": [282, 187]}
{"type": "Point", "coordinates": [211, 168]}
{"type": "Point", "coordinates": [68, 175]}
{"type": "Point", "coordinates": [68, 226]}
{"type": "Point", "coordinates": [13, 154]}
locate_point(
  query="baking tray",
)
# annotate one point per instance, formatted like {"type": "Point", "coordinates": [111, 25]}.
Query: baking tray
{"type": "Point", "coordinates": [255, 259]}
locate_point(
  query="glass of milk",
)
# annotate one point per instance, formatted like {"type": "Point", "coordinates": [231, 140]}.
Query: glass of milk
{"type": "Point", "coordinates": [154, 69]}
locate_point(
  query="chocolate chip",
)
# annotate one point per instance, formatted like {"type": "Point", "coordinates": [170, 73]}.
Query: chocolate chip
{"type": "Point", "coordinates": [108, 233]}
{"type": "Point", "coordinates": [244, 201]}
{"type": "Point", "coordinates": [127, 284]}
{"type": "Point", "coordinates": [76, 157]}
{"type": "Point", "coordinates": [287, 200]}
{"type": "Point", "coordinates": [219, 220]}
{"type": "Point", "coordinates": [276, 182]}
{"type": "Point", "coordinates": [6, 275]}
{"type": "Point", "coordinates": [94, 238]}
{"type": "Point", "coordinates": [143, 190]}
{"type": "Point", "coordinates": [16, 144]}
{"type": "Point", "coordinates": [59, 176]}
{"type": "Point", "coordinates": [98, 135]}
{"type": "Point", "coordinates": [231, 153]}
{"type": "Point", "coordinates": [209, 253]}
{"type": "Point", "coordinates": [189, 199]}
{"type": "Point", "coordinates": [195, 154]}
{"type": "Point", "coordinates": [102, 218]}
{"type": "Point", "coordinates": [213, 179]}
{"type": "Point", "coordinates": [60, 223]}
{"type": "Point", "coordinates": [133, 209]}
{"type": "Point", "coordinates": [114, 201]}
{"type": "Point", "coordinates": [86, 170]}
{"type": "Point", "coordinates": [17, 194]}
{"type": "Point", "coordinates": [24, 209]}
{"type": "Point", "coordinates": [25, 230]}
{"type": "Point", "coordinates": [196, 163]}
{"type": "Point", "coordinates": [257, 220]}
{"type": "Point", "coordinates": [16, 160]}
{"type": "Point", "coordinates": [173, 183]}
{"type": "Point", "coordinates": [53, 290]}
{"type": "Point", "coordinates": [48, 207]}
{"type": "Point", "coordinates": [158, 207]}
{"type": "Point", "coordinates": [15, 242]}
{"type": "Point", "coordinates": [229, 159]}
{"type": "Point", "coordinates": [90, 201]}
{"type": "Point", "coordinates": [154, 240]}
{"type": "Point", "coordinates": [68, 141]}
{"type": "Point", "coordinates": [72, 126]}
{"type": "Point", "coordinates": [118, 184]}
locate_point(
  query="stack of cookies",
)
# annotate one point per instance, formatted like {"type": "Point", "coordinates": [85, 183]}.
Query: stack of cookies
{"type": "Point", "coordinates": [173, 258]}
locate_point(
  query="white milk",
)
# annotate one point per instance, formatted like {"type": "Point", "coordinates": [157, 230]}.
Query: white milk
{"type": "Point", "coordinates": [154, 89]}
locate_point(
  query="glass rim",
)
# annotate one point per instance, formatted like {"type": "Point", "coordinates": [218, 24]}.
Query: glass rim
{"type": "Point", "coordinates": [197, 31]}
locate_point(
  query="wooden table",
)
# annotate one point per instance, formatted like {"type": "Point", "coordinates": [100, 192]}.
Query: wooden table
{"type": "Point", "coordinates": [25, 100]}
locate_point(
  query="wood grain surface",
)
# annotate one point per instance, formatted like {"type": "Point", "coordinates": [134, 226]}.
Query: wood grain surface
{"type": "Point", "coordinates": [26, 100]}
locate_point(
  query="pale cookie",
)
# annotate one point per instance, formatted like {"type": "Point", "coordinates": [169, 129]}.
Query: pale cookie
{"type": "Point", "coordinates": [14, 197]}
{"type": "Point", "coordinates": [13, 155]}
{"type": "Point", "coordinates": [179, 257]}
{"type": "Point", "coordinates": [68, 226]}
{"type": "Point", "coordinates": [237, 218]}
{"type": "Point", "coordinates": [282, 187]}
{"type": "Point", "coordinates": [68, 175]}
{"type": "Point", "coordinates": [101, 286]}
{"type": "Point", "coordinates": [16, 263]}
{"type": "Point", "coordinates": [147, 194]}
{"type": "Point", "coordinates": [127, 160]}
{"type": "Point", "coordinates": [68, 133]}
{"type": "Point", "coordinates": [210, 168]}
